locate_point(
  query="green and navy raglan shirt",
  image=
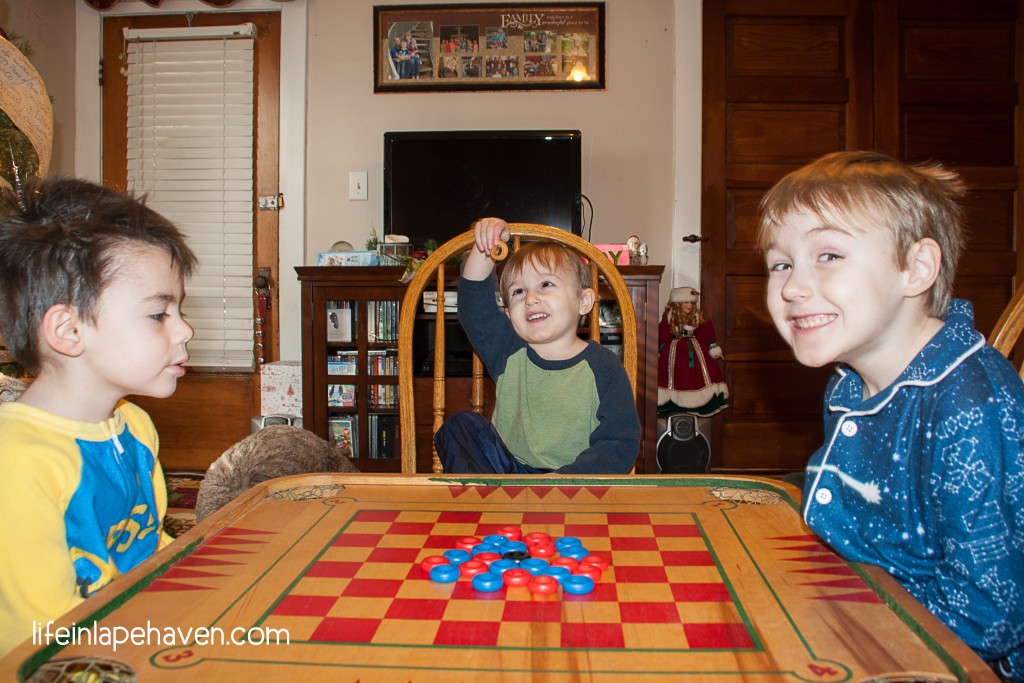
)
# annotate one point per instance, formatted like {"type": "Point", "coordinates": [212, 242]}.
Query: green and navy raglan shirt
{"type": "Point", "coordinates": [571, 416]}
{"type": "Point", "coordinates": [926, 480]}
{"type": "Point", "coordinates": [81, 503]}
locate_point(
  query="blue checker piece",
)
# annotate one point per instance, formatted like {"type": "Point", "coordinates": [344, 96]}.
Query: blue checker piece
{"type": "Point", "coordinates": [444, 573]}
{"type": "Point", "coordinates": [510, 546]}
{"type": "Point", "coordinates": [495, 539]}
{"type": "Point", "coordinates": [457, 556]}
{"type": "Point", "coordinates": [577, 584]}
{"type": "Point", "coordinates": [501, 566]}
{"type": "Point", "coordinates": [576, 552]}
{"type": "Point", "coordinates": [567, 542]}
{"type": "Point", "coordinates": [534, 565]}
{"type": "Point", "coordinates": [487, 582]}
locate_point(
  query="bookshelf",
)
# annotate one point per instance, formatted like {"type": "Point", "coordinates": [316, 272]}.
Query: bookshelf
{"type": "Point", "coordinates": [350, 360]}
{"type": "Point", "coordinates": [350, 371]}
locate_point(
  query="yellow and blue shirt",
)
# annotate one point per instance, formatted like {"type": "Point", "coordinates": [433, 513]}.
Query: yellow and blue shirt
{"type": "Point", "coordinates": [80, 503]}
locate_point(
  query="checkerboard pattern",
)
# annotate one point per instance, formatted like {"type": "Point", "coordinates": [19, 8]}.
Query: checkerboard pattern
{"type": "Point", "coordinates": [662, 591]}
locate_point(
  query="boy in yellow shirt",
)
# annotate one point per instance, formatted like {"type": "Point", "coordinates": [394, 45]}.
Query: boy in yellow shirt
{"type": "Point", "coordinates": [91, 286]}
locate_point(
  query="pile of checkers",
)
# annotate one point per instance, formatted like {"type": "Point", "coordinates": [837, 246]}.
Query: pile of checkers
{"type": "Point", "coordinates": [510, 558]}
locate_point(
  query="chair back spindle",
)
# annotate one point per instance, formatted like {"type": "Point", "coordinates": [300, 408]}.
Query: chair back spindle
{"type": "Point", "coordinates": [1008, 328]}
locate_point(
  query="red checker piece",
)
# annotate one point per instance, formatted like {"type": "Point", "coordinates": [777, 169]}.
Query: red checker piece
{"type": "Point", "coordinates": [431, 562]}
{"type": "Point", "coordinates": [537, 537]}
{"type": "Point", "coordinates": [599, 561]}
{"type": "Point", "coordinates": [487, 558]}
{"type": "Point", "coordinates": [517, 577]}
{"type": "Point", "coordinates": [467, 543]}
{"type": "Point", "coordinates": [543, 585]}
{"type": "Point", "coordinates": [567, 562]}
{"type": "Point", "coordinates": [542, 549]}
{"type": "Point", "coordinates": [591, 570]}
{"type": "Point", "coordinates": [472, 567]}
{"type": "Point", "coordinates": [512, 533]}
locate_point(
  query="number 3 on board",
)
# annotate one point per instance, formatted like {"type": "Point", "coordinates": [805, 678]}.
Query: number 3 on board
{"type": "Point", "coordinates": [171, 658]}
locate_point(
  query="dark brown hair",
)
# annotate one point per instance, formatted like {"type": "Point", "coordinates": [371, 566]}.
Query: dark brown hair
{"type": "Point", "coordinates": [61, 242]}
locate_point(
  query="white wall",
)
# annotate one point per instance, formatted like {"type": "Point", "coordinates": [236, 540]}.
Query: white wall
{"type": "Point", "coordinates": [642, 134]}
{"type": "Point", "coordinates": [627, 128]}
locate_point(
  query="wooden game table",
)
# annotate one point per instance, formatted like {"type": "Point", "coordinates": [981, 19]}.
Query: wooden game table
{"type": "Point", "coordinates": [710, 579]}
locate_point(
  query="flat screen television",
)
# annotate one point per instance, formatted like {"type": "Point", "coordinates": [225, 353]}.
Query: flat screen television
{"type": "Point", "coordinates": [437, 183]}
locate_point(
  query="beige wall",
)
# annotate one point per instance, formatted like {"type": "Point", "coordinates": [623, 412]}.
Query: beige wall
{"type": "Point", "coordinates": [49, 27]}
{"type": "Point", "coordinates": [627, 128]}
{"type": "Point", "coordinates": [642, 134]}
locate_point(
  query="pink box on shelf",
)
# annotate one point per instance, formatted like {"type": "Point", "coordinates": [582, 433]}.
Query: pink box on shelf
{"type": "Point", "coordinates": [617, 253]}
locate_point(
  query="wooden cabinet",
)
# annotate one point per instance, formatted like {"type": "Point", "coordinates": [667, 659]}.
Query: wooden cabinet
{"type": "Point", "coordinates": [349, 380]}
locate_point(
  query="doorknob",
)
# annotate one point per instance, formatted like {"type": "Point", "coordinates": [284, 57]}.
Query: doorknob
{"type": "Point", "coordinates": [262, 281]}
{"type": "Point", "coordinates": [696, 238]}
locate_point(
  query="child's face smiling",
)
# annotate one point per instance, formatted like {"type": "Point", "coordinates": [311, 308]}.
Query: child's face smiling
{"type": "Point", "coordinates": [837, 296]}
{"type": "Point", "coordinates": [137, 343]}
{"type": "Point", "coordinates": [545, 310]}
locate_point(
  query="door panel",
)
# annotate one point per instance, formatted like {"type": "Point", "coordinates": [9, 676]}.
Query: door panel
{"type": "Point", "coordinates": [956, 95]}
{"type": "Point", "coordinates": [210, 410]}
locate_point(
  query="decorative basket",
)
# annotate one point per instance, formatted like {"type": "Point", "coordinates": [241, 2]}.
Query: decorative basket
{"type": "Point", "coordinates": [394, 253]}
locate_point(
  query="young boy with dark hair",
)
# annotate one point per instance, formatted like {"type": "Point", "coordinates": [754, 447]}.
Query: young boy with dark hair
{"type": "Point", "coordinates": [562, 404]}
{"type": "Point", "coordinates": [922, 470]}
{"type": "Point", "coordinates": [91, 286]}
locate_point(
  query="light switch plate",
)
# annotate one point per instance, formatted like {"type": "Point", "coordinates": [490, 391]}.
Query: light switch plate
{"type": "Point", "coordinates": [357, 185]}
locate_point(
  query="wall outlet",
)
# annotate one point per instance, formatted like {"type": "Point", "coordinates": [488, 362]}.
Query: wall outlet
{"type": "Point", "coordinates": [357, 185]}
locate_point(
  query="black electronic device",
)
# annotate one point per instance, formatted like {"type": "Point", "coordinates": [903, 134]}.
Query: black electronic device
{"type": "Point", "coordinates": [682, 447]}
{"type": "Point", "coordinates": [437, 183]}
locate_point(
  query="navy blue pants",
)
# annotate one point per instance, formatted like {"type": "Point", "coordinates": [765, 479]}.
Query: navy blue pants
{"type": "Point", "coordinates": [467, 443]}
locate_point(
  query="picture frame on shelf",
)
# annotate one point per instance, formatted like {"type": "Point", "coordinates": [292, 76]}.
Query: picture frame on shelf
{"type": "Point", "coordinates": [488, 46]}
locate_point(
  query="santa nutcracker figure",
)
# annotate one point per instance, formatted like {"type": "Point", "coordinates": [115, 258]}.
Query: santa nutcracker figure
{"type": "Point", "coordinates": [690, 379]}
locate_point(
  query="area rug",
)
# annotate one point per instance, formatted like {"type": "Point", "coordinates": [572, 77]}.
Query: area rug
{"type": "Point", "coordinates": [182, 491]}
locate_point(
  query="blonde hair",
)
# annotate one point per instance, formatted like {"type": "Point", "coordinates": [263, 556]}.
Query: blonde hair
{"type": "Point", "coordinates": [678, 320]}
{"type": "Point", "coordinates": [555, 258]}
{"type": "Point", "coordinates": [855, 190]}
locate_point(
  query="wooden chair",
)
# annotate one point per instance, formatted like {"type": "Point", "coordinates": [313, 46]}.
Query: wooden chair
{"type": "Point", "coordinates": [1009, 326]}
{"type": "Point", "coordinates": [432, 271]}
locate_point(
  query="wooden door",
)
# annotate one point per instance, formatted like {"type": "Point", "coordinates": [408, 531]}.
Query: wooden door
{"type": "Point", "coordinates": [210, 410]}
{"type": "Point", "coordinates": [785, 82]}
{"type": "Point", "coordinates": [948, 91]}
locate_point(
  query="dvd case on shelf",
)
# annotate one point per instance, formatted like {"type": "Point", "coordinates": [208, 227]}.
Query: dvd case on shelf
{"type": "Point", "coordinates": [344, 435]}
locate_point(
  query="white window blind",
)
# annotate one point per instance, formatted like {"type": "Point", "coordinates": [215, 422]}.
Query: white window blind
{"type": "Point", "coordinates": [190, 149]}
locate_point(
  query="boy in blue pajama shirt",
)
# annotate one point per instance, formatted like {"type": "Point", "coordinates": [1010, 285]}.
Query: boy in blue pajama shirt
{"type": "Point", "coordinates": [922, 470]}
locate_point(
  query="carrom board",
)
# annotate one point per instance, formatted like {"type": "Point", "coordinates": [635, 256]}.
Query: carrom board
{"type": "Point", "coordinates": [709, 579]}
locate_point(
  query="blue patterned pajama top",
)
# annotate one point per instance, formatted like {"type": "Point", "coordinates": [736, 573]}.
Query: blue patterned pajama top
{"type": "Point", "coordinates": [926, 479]}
